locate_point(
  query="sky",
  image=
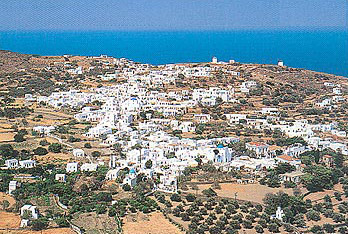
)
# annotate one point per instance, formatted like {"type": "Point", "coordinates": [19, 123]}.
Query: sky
{"type": "Point", "coordinates": [171, 14]}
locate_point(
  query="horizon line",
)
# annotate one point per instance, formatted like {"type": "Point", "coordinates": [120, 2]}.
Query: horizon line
{"type": "Point", "coordinates": [319, 28]}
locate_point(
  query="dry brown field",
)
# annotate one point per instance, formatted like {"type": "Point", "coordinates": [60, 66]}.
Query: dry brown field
{"type": "Point", "coordinates": [247, 192]}
{"type": "Point", "coordinates": [154, 223]}
{"type": "Point", "coordinates": [6, 136]}
{"type": "Point", "coordinates": [9, 220]}
{"type": "Point", "coordinates": [4, 196]}
{"type": "Point", "coordinates": [48, 231]}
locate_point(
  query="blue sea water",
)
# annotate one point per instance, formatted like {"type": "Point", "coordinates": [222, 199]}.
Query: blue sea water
{"type": "Point", "coordinates": [322, 50]}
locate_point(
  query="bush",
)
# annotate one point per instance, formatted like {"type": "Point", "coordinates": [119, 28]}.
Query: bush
{"type": "Point", "coordinates": [209, 192]}
{"type": "Point", "coordinates": [338, 218]}
{"type": "Point", "coordinates": [40, 151]}
{"type": "Point", "coordinates": [19, 138]}
{"type": "Point", "coordinates": [44, 142]}
{"type": "Point", "coordinates": [73, 139]}
{"type": "Point", "coordinates": [103, 196]}
{"type": "Point", "coordinates": [175, 197]}
{"type": "Point", "coordinates": [62, 222]}
{"type": "Point", "coordinates": [190, 197]}
{"type": "Point", "coordinates": [338, 196]}
{"type": "Point", "coordinates": [329, 228]}
{"type": "Point", "coordinates": [96, 154]}
{"type": "Point", "coordinates": [273, 227]}
{"type": "Point", "coordinates": [289, 184]}
{"type": "Point", "coordinates": [39, 224]}
{"type": "Point", "coordinates": [313, 215]}
{"type": "Point", "coordinates": [88, 145]}
{"type": "Point", "coordinates": [259, 228]}
{"type": "Point", "coordinates": [148, 164]}
{"type": "Point", "coordinates": [126, 187]}
{"type": "Point", "coordinates": [55, 148]}
{"type": "Point", "coordinates": [100, 209]}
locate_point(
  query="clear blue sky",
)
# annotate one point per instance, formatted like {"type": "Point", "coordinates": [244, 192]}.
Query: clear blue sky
{"type": "Point", "coordinates": [170, 14]}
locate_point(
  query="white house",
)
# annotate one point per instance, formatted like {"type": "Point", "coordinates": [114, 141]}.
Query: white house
{"type": "Point", "coordinates": [60, 177]}
{"type": "Point", "coordinates": [44, 129]}
{"type": "Point", "coordinates": [290, 160]}
{"type": "Point", "coordinates": [30, 209]}
{"type": "Point", "coordinates": [201, 118]}
{"type": "Point", "coordinates": [261, 149]}
{"type": "Point", "coordinates": [11, 163]}
{"type": "Point", "coordinates": [78, 153]}
{"type": "Point", "coordinates": [131, 178]}
{"type": "Point", "coordinates": [72, 167]}
{"type": "Point", "coordinates": [89, 167]}
{"type": "Point", "coordinates": [279, 214]}
{"type": "Point", "coordinates": [27, 163]}
{"type": "Point", "coordinates": [294, 176]}
{"type": "Point", "coordinates": [12, 186]}
{"type": "Point", "coordinates": [112, 174]}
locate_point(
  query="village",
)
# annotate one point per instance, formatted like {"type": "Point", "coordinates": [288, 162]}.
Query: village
{"type": "Point", "coordinates": [121, 129]}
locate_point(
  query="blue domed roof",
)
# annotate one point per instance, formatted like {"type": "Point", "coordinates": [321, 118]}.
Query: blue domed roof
{"type": "Point", "coordinates": [132, 171]}
{"type": "Point", "coordinates": [220, 146]}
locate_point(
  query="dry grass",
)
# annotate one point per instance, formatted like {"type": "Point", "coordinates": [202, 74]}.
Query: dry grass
{"type": "Point", "coordinates": [48, 231]}
{"type": "Point", "coordinates": [53, 158]}
{"type": "Point", "coordinates": [6, 136]}
{"type": "Point", "coordinates": [94, 223]}
{"type": "Point", "coordinates": [4, 196]}
{"type": "Point", "coordinates": [9, 220]}
{"type": "Point", "coordinates": [247, 192]}
{"type": "Point", "coordinates": [154, 223]}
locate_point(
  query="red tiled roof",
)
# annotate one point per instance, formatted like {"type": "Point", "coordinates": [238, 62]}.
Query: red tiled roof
{"type": "Point", "coordinates": [327, 156]}
{"type": "Point", "coordinates": [286, 157]}
{"type": "Point", "coordinates": [257, 143]}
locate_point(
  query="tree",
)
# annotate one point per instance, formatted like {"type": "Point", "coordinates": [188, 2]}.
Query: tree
{"type": "Point", "coordinates": [55, 148]}
{"type": "Point", "coordinates": [329, 228]}
{"type": "Point", "coordinates": [23, 132]}
{"type": "Point", "coordinates": [343, 230]}
{"type": "Point", "coordinates": [44, 142]}
{"type": "Point", "coordinates": [40, 151]}
{"type": "Point", "coordinates": [259, 228]}
{"type": "Point", "coordinates": [283, 168]}
{"type": "Point", "coordinates": [39, 224]}
{"type": "Point", "coordinates": [103, 196]}
{"type": "Point", "coordinates": [209, 192]}
{"type": "Point", "coordinates": [176, 212]}
{"type": "Point", "coordinates": [88, 145]}
{"type": "Point", "coordinates": [262, 222]}
{"type": "Point", "coordinates": [7, 151]}
{"type": "Point", "coordinates": [319, 178]}
{"type": "Point", "coordinates": [19, 138]}
{"type": "Point", "coordinates": [62, 222]}
{"type": "Point", "coordinates": [148, 164]}
{"type": "Point", "coordinates": [96, 154]}
{"type": "Point", "coordinates": [313, 215]}
{"type": "Point", "coordinates": [100, 209]}
{"type": "Point", "coordinates": [235, 224]}
{"type": "Point", "coordinates": [185, 217]}
{"type": "Point", "coordinates": [5, 204]}
{"type": "Point", "coordinates": [316, 229]}
{"type": "Point", "coordinates": [247, 224]}
{"type": "Point", "coordinates": [175, 197]}
{"type": "Point", "coordinates": [190, 197]}
{"type": "Point", "coordinates": [273, 227]}
{"type": "Point", "coordinates": [126, 187]}
{"type": "Point", "coordinates": [299, 221]}
{"type": "Point", "coordinates": [338, 218]}
{"type": "Point", "coordinates": [338, 196]}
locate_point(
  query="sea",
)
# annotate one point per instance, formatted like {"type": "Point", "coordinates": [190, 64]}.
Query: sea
{"type": "Point", "coordinates": [319, 50]}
